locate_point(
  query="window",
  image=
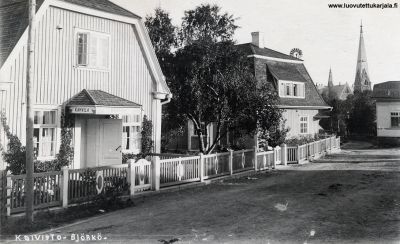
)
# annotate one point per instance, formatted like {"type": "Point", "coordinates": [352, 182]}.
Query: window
{"type": "Point", "coordinates": [291, 89]}
{"type": "Point", "coordinates": [82, 48]}
{"type": "Point", "coordinates": [303, 125]}
{"type": "Point", "coordinates": [203, 129]}
{"type": "Point", "coordinates": [44, 133]}
{"type": "Point", "coordinates": [395, 119]}
{"type": "Point", "coordinates": [131, 133]}
{"type": "Point", "coordinates": [93, 50]}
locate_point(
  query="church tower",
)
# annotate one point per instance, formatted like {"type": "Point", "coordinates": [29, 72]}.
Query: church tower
{"type": "Point", "coordinates": [362, 81]}
{"type": "Point", "coordinates": [330, 79]}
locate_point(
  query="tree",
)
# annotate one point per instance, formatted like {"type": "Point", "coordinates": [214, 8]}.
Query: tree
{"type": "Point", "coordinates": [162, 34]}
{"type": "Point", "coordinates": [213, 82]}
{"type": "Point", "coordinates": [363, 114]}
{"type": "Point", "coordinates": [207, 23]}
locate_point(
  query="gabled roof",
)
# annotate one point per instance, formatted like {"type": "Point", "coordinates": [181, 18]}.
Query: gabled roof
{"type": "Point", "coordinates": [387, 90]}
{"type": "Point", "coordinates": [14, 19]}
{"type": "Point", "coordinates": [14, 23]}
{"type": "Point", "coordinates": [312, 97]}
{"type": "Point", "coordinates": [250, 48]}
{"type": "Point", "coordinates": [289, 68]}
{"type": "Point", "coordinates": [99, 98]}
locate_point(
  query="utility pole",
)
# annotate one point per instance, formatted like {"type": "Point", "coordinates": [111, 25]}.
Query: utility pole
{"type": "Point", "coordinates": [29, 115]}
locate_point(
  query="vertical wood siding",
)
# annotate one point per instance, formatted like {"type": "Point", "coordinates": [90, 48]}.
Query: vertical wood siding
{"type": "Point", "coordinates": [292, 117]}
{"type": "Point", "coordinates": [56, 79]}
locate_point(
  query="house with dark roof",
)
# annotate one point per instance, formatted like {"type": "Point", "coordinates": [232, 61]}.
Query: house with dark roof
{"type": "Point", "coordinates": [299, 97]}
{"type": "Point", "coordinates": [93, 60]}
{"type": "Point", "coordinates": [387, 96]}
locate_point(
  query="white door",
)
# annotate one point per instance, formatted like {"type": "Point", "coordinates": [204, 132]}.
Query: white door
{"type": "Point", "coordinates": [111, 140]}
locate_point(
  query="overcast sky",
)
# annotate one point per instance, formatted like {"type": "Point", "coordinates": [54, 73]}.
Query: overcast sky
{"type": "Point", "coordinates": [327, 37]}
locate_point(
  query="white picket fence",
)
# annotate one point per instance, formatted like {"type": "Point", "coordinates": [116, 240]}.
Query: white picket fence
{"type": "Point", "coordinates": [75, 186]}
{"type": "Point", "coordinates": [312, 150]}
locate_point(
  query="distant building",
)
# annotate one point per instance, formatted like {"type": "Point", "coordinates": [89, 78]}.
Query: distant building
{"type": "Point", "coordinates": [387, 95]}
{"type": "Point", "coordinates": [335, 91]}
{"type": "Point", "coordinates": [362, 81]}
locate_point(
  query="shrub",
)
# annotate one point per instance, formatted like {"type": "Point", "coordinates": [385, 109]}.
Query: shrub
{"type": "Point", "coordinates": [15, 155]}
{"type": "Point", "coordinates": [147, 134]}
{"type": "Point", "coordinates": [65, 155]}
{"type": "Point", "coordinates": [301, 140]}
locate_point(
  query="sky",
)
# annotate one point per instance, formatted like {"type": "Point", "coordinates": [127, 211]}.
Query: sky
{"type": "Point", "coordinates": [328, 37]}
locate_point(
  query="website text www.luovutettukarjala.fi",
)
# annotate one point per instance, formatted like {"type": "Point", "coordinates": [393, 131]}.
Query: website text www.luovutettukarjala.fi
{"type": "Point", "coordinates": [363, 5]}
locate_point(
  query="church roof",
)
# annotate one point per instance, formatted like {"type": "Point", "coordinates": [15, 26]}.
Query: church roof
{"type": "Point", "coordinates": [362, 81]}
{"type": "Point", "coordinates": [14, 19]}
{"type": "Point", "coordinates": [338, 90]}
{"type": "Point", "coordinates": [387, 90]}
{"type": "Point", "coordinates": [99, 98]}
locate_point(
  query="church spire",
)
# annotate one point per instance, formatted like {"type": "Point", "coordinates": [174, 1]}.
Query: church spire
{"type": "Point", "coordinates": [330, 79]}
{"type": "Point", "coordinates": [362, 81]}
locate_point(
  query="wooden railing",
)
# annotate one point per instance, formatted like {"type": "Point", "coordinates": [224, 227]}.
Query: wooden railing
{"type": "Point", "coordinates": [46, 187]}
{"type": "Point", "coordinates": [179, 170]}
{"type": "Point", "coordinates": [243, 160]}
{"type": "Point", "coordinates": [82, 182]}
{"type": "Point", "coordinates": [265, 160]}
{"type": "Point", "coordinates": [73, 186]}
{"type": "Point", "coordinates": [300, 153]}
{"type": "Point", "coordinates": [216, 164]}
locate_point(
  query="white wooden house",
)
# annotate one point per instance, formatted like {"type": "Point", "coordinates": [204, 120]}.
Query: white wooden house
{"type": "Point", "coordinates": [91, 57]}
{"type": "Point", "coordinates": [299, 99]}
{"type": "Point", "coordinates": [387, 96]}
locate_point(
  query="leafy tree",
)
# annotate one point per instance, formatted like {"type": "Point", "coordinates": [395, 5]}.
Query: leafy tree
{"type": "Point", "coordinates": [162, 34]}
{"type": "Point", "coordinates": [206, 22]}
{"type": "Point", "coordinates": [355, 115]}
{"type": "Point", "coordinates": [363, 114]}
{"type": "Point", "coordinates": [214, 83]}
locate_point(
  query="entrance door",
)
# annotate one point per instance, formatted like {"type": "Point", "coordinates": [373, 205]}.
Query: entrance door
{"type": "Point", "coordinates": [111, 140]}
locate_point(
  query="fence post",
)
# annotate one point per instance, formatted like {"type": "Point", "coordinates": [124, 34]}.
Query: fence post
{"type": "Point", "coordinates": [298, 154]}
{"type": "Point", "coordinates": [326, 146]}
{"type": "Point", "coordinates": [8, 189]}
{"type": "Point", "coordinates": [230, 161]}
{"type": "Point", "coordinates": [255, 158]}
{"type": "Point", "coordinates": [338, 141]}
{"type": "Point", "coordinates": [201, 167]}
{"type": "Point", "coordinates": [131, 176]}
{"type": "Point", "coordinates": [273, 158]}
{"type": "Point", "coordinates": [156, 173]}
{"type": "Point", "coordinates": [65, 182]}
{"type": "Point", "coordinates": [284, 154]}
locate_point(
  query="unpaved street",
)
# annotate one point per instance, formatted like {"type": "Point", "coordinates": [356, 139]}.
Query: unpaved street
{"type": "Point", "coordinates": [350, 197]}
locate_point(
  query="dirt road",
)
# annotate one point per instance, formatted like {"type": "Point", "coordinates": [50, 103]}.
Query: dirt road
{"type": "Point", "coordinates": [352, 197]}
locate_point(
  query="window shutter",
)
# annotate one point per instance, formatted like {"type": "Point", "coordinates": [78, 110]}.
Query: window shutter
{"type": "Point", "coordinates": [281, 89]}
{"type": "Point", "coordinates": [103, 51]}
{"type": "Point", "coordinates": [93, 50]}
{"type": "Point", "coordinates": [301, 90]}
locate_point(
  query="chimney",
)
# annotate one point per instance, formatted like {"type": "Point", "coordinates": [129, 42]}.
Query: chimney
{"type": "Point", "coordinates": [257, 38]}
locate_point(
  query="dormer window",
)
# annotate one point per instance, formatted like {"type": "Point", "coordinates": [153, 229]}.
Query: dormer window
{"type": "Point", "coordinates": [291, 89]}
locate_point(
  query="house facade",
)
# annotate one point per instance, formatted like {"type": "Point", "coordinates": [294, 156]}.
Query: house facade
{"type": "Point", "coordinates": [93, 60]}
{"type": "Point", "coordinates": [387, 96]}
{"type": "Point", "coordinates": [298, 95]}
